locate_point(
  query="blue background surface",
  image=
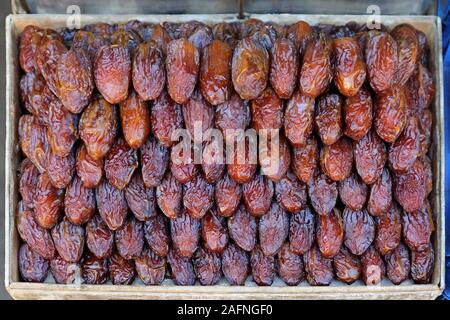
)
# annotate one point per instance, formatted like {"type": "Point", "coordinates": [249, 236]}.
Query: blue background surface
{"type": "Point", "coordinates": [443, 11]}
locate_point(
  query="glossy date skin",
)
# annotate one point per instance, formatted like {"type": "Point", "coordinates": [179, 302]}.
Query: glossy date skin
{"type": "Point", "coordinates": [350, 68]}
{"type": "Point", "coordinates": [48, 203]}
{"type": "Point", "coordinates": [347, 266]}
{"type": "Point", "coordinates": [182, 66]}
{"type": "Point", "coordinates": [290, 266]}
{"type": "Point", "coordinates": [154, 160]}
{"type": "Point", "coordinates": [273, 229]}
{"type": "Point", "coordinates": [32, 267]}
{"type": "Point", "coordinates": [290, 193]}
{"type": "Point", "coordinates": [135, 120]}
{"type": "Point", "coordinates": [336, 159]}
{"type": "Point", "coordinates": [28, 178]}
{"type": "Point", "coordinates": [99, 238]}
{"type": "Point", "coordinates": [150, 267]}
{"type": "Point", "coordinates": [353, 192]}
{"type": "Point", "coordinates": [148, 71]}
{"type": "Point", "coordinates": [228, 195]}
{"type": "Point", "coordinates": [111, 205]}
{"type": "Point", "coordinates": [359, 229]}
{"type": "Point", "coordinates": [408, 51]}
{"type": "Point", "coordinates": [370, 156]}
{"type": "Point", "coordinates": [284, 67]}
{"type": "Point", "coordinates": [112, 72]}
{"type": "Point", "coordinates": [242, 228]}
{"type": "Point", "coordinates": [330, 233]}
{"type": "Point", "coordinates": [98, 127]}
{"type": "Point", "coordinates": [381, 59]}
{"type": "Point", "coordinates": [75, 80]}
{"type": "Point", "coordinates": [299, 119]}
{"type": "Point", "coordinates": [79, 202]}
{"type": "Point", "coordinates": [305, 160]}
{"type": "Point", "coordinates": [69, 240]}
{"type": "Point", "coordinates": [166, 118]}
{"type": "Point", "coordinates": [250, 68]}
{"type": "Point", "coordinates": [29, 42]}
{"type": "Point", "coordinates": [215, 72]}
{"type": "Point", "coordinates": [120, 164]}
{"type": "Point", "coordinates": [141, 200]}
{"type": "Point", "coordinates": [88, 169]}
{"type": "Point", "coordinates": [328, 118]}
{"type": "Point", "coordinates": [235, 265]}
{"type": "Point", "coordinates": [390, 113]}
{"type": "Point", "coordinates": [380, 195]}
{"type": "Point", "coordinates": [33, 141]}
{"type": "Point", "coordinates": [323, 193]}
{"type": "Point", "coordinates": [319, 270]}
{"type": "Point", "coordinates": [358, 114]}
{"type": "Point", "coordinates": [316, 72]}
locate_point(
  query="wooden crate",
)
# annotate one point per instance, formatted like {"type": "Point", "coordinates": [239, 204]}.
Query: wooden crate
{"type": "Point", "coordinates": [430, 25]}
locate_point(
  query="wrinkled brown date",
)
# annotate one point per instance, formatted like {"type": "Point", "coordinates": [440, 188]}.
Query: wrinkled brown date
{"type": "Point", "coordinates": [257, 195]}
{"type": "Point", "coordinates": [370, 156]}
{"type": "Point", "coordinates": [410, 188]}
{"type": "Point", "coordinates": [316, 72]}
{"type": "Point", "coordinates": [33, 141]}
{"type": "Point", "coordinates": [37, 238]}
{"type": "Point", "coordinates": [408, 51]}
{"type": "Point", "coordinates": [380, 195]}
{"type": "Point", "coordinates": [185, 232]}
{"type": "Point", "coordinates": [228, 195]}
{"type": "Point", "coordinates": [32, 267]}
{"type": "Point", "coordinates": [182, 65]}
{"type": "Point", "coordinates": [166, 118]}
{"type": "Point", "coordinates": [372, 267]}
{"type": "Point", "coordinates": [323, 193]}
{"type": "Point", "coordinates": [141, 200]}
{"type": "Point", "coordinates": [267, 111]}
{"type": "Point", "coordinates": [422, 265]}
{"type": "Point", "coordinates": [290, 266]}
{"type": "Point", "coordinates": [336, 159]}
{"type": "Point", "coordinates": [215, 72]}
{"type": "Point", "coordinates": [389, 230]}
{"type": "Point", "coordinates": [121, 271]}
{"type": "Point", "coordinates": [48, 202]}
{"type": "Point", "coordinates": [301, 231]}
{"type": "Point", "coordinates": [112, 72]}
{"type": "Point", "coordinates": [148, 71]}
{"type": "Point", "coordinates": [381, 59]}
{"type": "Point", "coordinates": [154, 160]}
{"type": "Point", "coordinates": [156, 233]}
{"type": "Point", "coordinates": [328, 118]}
{"type": "Point", "coordinates": [330, 233]}
{"type": "Point", "coordinates": [398, 265]}
{"type": "Point", "coordinates": [75, 79]}
{"type": "Point", "coordinates": [94, 270]}
{"type": "Point", "coordinates": [29, 41]}
{"type": "Point", "coordinates": [135, 120]}
{"type": "Point", "coordinates": [79, 202]}
{"type": "Point", "coordinates": [353, 192]}
{"type": "Point", "coordinates": [150, 267]}
{"type": "Point", "coordinates": [111, 204]}
{"type": "Point", "coordinates": [28, 179]}
{"type": "Point", "coordinates": [319, 270]}
{"type": "Point", "coordinates": [98, 127]}
{"type": "Point", "coordinates": [182, 269]}
{"type": "Point", "coordinates": [350, 68]}
{"type": "Point", "coordinates": [305, 160]}
{"type": "Point", "coordinates": [299, 119]}
{"type": "Point", "coordinates": [290, 193]}
{"type": "Point", "coordinates": [69, 240]}
{"type": "Point", "coordinates": [250, 68]}
{"type": "Point", "coordinates": [207, 267]}
{"type": "Point", "coordinates": [347, 266]}
{"type": "Point", "coordinates": [120, 164]}
{"type": "Point", "coordinates": [359, 229]}
{"type": "Point", "coordinates": [214, 232]}
{"type": "Point", "coordinates": [129, 239]}
{"type": "Point", "coordinates": [273, 229]}
{"type": "Point", "coordinates": [284, 67]}
{"type": "Point", "coordinates": [405, 150]}
{"type": "Point", "coordinates": [262, 267]}
{"type": "Point", "coordinates": [417, 227]}
{"type": "Point", "coordinates": [169, 195]}
{"type": "Point", "coordinates": [243, 228]}
{"type": "Point", "coordinates": [198, 197]}
{"type": "Point", "coordinates": [99, 238]}
{"type": "Point", "coordinates": [64, 272]}
{"type": "Point", "coordinates": [235, 265]}
{"type": "Point", "coordinates": [358, 114]}
{"type": "Point", "coordinates": [390, 113]}
{"type": "Point", "coordinates": [60, 170]}
{"type": "Point", "coordinates": [88, 169]}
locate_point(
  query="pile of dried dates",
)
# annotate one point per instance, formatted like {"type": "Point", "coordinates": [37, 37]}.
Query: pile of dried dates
{"type": "Point", "coordinates": [127, 171]}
